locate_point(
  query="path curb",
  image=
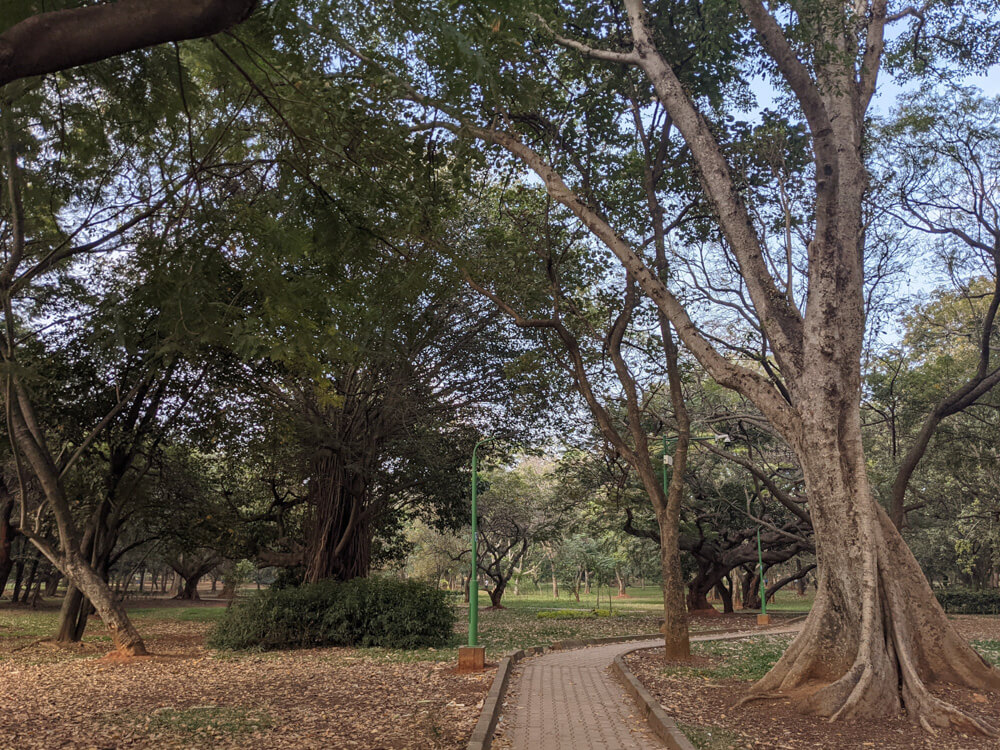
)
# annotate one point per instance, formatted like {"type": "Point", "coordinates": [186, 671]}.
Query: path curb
{"type": "Point", "coordinates": [656, 717]}
{"type": "Point", "coordinates": [659, 721]}
{"type": "Point", "coordinates": [482, 735]}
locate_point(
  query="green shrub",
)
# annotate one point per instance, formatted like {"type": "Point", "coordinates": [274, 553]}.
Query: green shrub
{"type": "Point", "coordinates": [363, 612]}
{"type": "Point", "coordinates": [965, 602]}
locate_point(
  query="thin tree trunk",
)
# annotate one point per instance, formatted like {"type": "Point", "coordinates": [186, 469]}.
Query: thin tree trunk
{"type": "Point", "coordinates": [18, 577]}
{"type": "Point", "coordinates": [726, 594]}
{"type": "Point", "coordinates": [8, 532]}
{"type": "Point", "coordinates": [31, 578]}
{"type": "Point", "coordinates": [52, 583]}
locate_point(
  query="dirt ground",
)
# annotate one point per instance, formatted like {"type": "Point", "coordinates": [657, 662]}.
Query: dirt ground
{"type": "Point", "coordinates": [186, 697]}
{"type": "Point", "coordinates": [704, 705]}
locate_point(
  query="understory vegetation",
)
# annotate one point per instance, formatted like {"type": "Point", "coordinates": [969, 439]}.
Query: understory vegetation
{"type": "Point", "coordinates": [363, 612]}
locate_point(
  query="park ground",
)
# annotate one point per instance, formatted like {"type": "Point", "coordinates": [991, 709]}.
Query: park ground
{"type": "Point", "coordinates": [189, 696]}
{"type": "Point", "coordinates": [703, 695]}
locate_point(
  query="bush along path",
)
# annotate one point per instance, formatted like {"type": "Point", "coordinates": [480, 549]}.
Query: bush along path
{"type": "Point", "coordinates": [570, 700]}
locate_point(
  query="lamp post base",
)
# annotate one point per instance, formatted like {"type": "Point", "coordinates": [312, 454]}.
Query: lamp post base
{"type": "Point", "coordinates": [471, 658]}
{"type": "Point", "coordinates": [763, 619]}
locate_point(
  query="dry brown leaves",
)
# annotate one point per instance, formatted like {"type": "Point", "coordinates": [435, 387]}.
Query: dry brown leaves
{"type": "Point", "coordinates": [188, 698]}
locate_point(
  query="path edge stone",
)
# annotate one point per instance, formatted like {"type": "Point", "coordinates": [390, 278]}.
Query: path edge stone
{"type": "Point", "coordinates": [482, 735]}
{"type": "Point", "coordinates": [650, 709]}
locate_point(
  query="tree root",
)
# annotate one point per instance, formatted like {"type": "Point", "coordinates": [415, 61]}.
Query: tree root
{"type": "Point", "coordinates": [760, 697]}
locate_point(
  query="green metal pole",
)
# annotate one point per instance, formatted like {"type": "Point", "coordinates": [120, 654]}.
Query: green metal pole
{"type": "Point", "coordinates": [474, 579]}
{"type": "Point", "coordinates": [760, 569]}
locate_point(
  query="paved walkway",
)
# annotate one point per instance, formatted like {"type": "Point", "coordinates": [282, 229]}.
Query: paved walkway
{"type": "Point", "coordinates": [569, 700]}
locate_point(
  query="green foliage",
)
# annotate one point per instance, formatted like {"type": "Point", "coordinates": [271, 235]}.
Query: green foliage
{"type": "Point", "coordinates": [964, 602]}
{"type": "Point", "coordinates": [362, 612]}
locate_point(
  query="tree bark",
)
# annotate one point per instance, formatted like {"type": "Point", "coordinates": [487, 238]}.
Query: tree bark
{"type": "Point", "coordinates": [18, 578]}
{"type": "Point", "coordinates": [123, 633]}
{"type": "Point", "coordinates": [340, 538]}
{"type": "Point", "coordinates": [31, 578]}
{"type": "Point", "coordinates": [726, 594]}
{"type": "Point", "coordinates": [496, 595]}
{"type": "Point", "coordinates": [72, 616]}
{"type": "Point", "coordinates": [876, 635]}
{"type": "Point", "coordinates": [52, 583]}
{"type": "Point", "coordinates": [189, 589]}
{"type": "Point", "coordinates": [8, 532]}
{"type": "Point", "coordinates": [61, 39]}
{"type": "Point", "coordinates": [620, 579]}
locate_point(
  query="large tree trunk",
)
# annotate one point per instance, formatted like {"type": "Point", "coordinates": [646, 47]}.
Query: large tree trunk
{"type": "Point", "coordinates": [340, 536]}
{"type": "Point", "coordinates": [621, 580]}
{"type": "Point", "coordinates": [698, 589]}
{"type": "Point", "coordinates": [191, 567]}
{"type": "Point", "coordinates": [876, 635]}
{"type": "Point", "coordinates": [189, 589]}
{"type": "Point", "coordinates": [751, 591]}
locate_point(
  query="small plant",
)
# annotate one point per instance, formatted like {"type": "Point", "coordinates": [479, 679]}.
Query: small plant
{"type": "Point", "coordinates": [710, 737]}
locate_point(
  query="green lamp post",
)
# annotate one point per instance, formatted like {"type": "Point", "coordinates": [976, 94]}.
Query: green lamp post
{"type": "Point", "coordinates": [472, 658]}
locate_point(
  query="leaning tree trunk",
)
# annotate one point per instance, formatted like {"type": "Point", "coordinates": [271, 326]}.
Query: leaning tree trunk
{"type": "Point", "coordinates": [123, 633]}
{"type": "Point", "coordinates": [876, 635]}
{"type": "Point", "coordinates": [496, 595]}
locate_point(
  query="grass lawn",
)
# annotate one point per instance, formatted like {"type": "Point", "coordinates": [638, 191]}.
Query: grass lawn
{"type": "Point", "coordinates": [518, 625]}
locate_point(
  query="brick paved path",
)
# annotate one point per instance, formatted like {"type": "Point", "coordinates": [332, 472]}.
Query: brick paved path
{"type": "Point", "coordinates": [569, 700]}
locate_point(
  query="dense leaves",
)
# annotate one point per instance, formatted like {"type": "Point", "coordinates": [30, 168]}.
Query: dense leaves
{"type": "Point", "coordinates": [362, 612]}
